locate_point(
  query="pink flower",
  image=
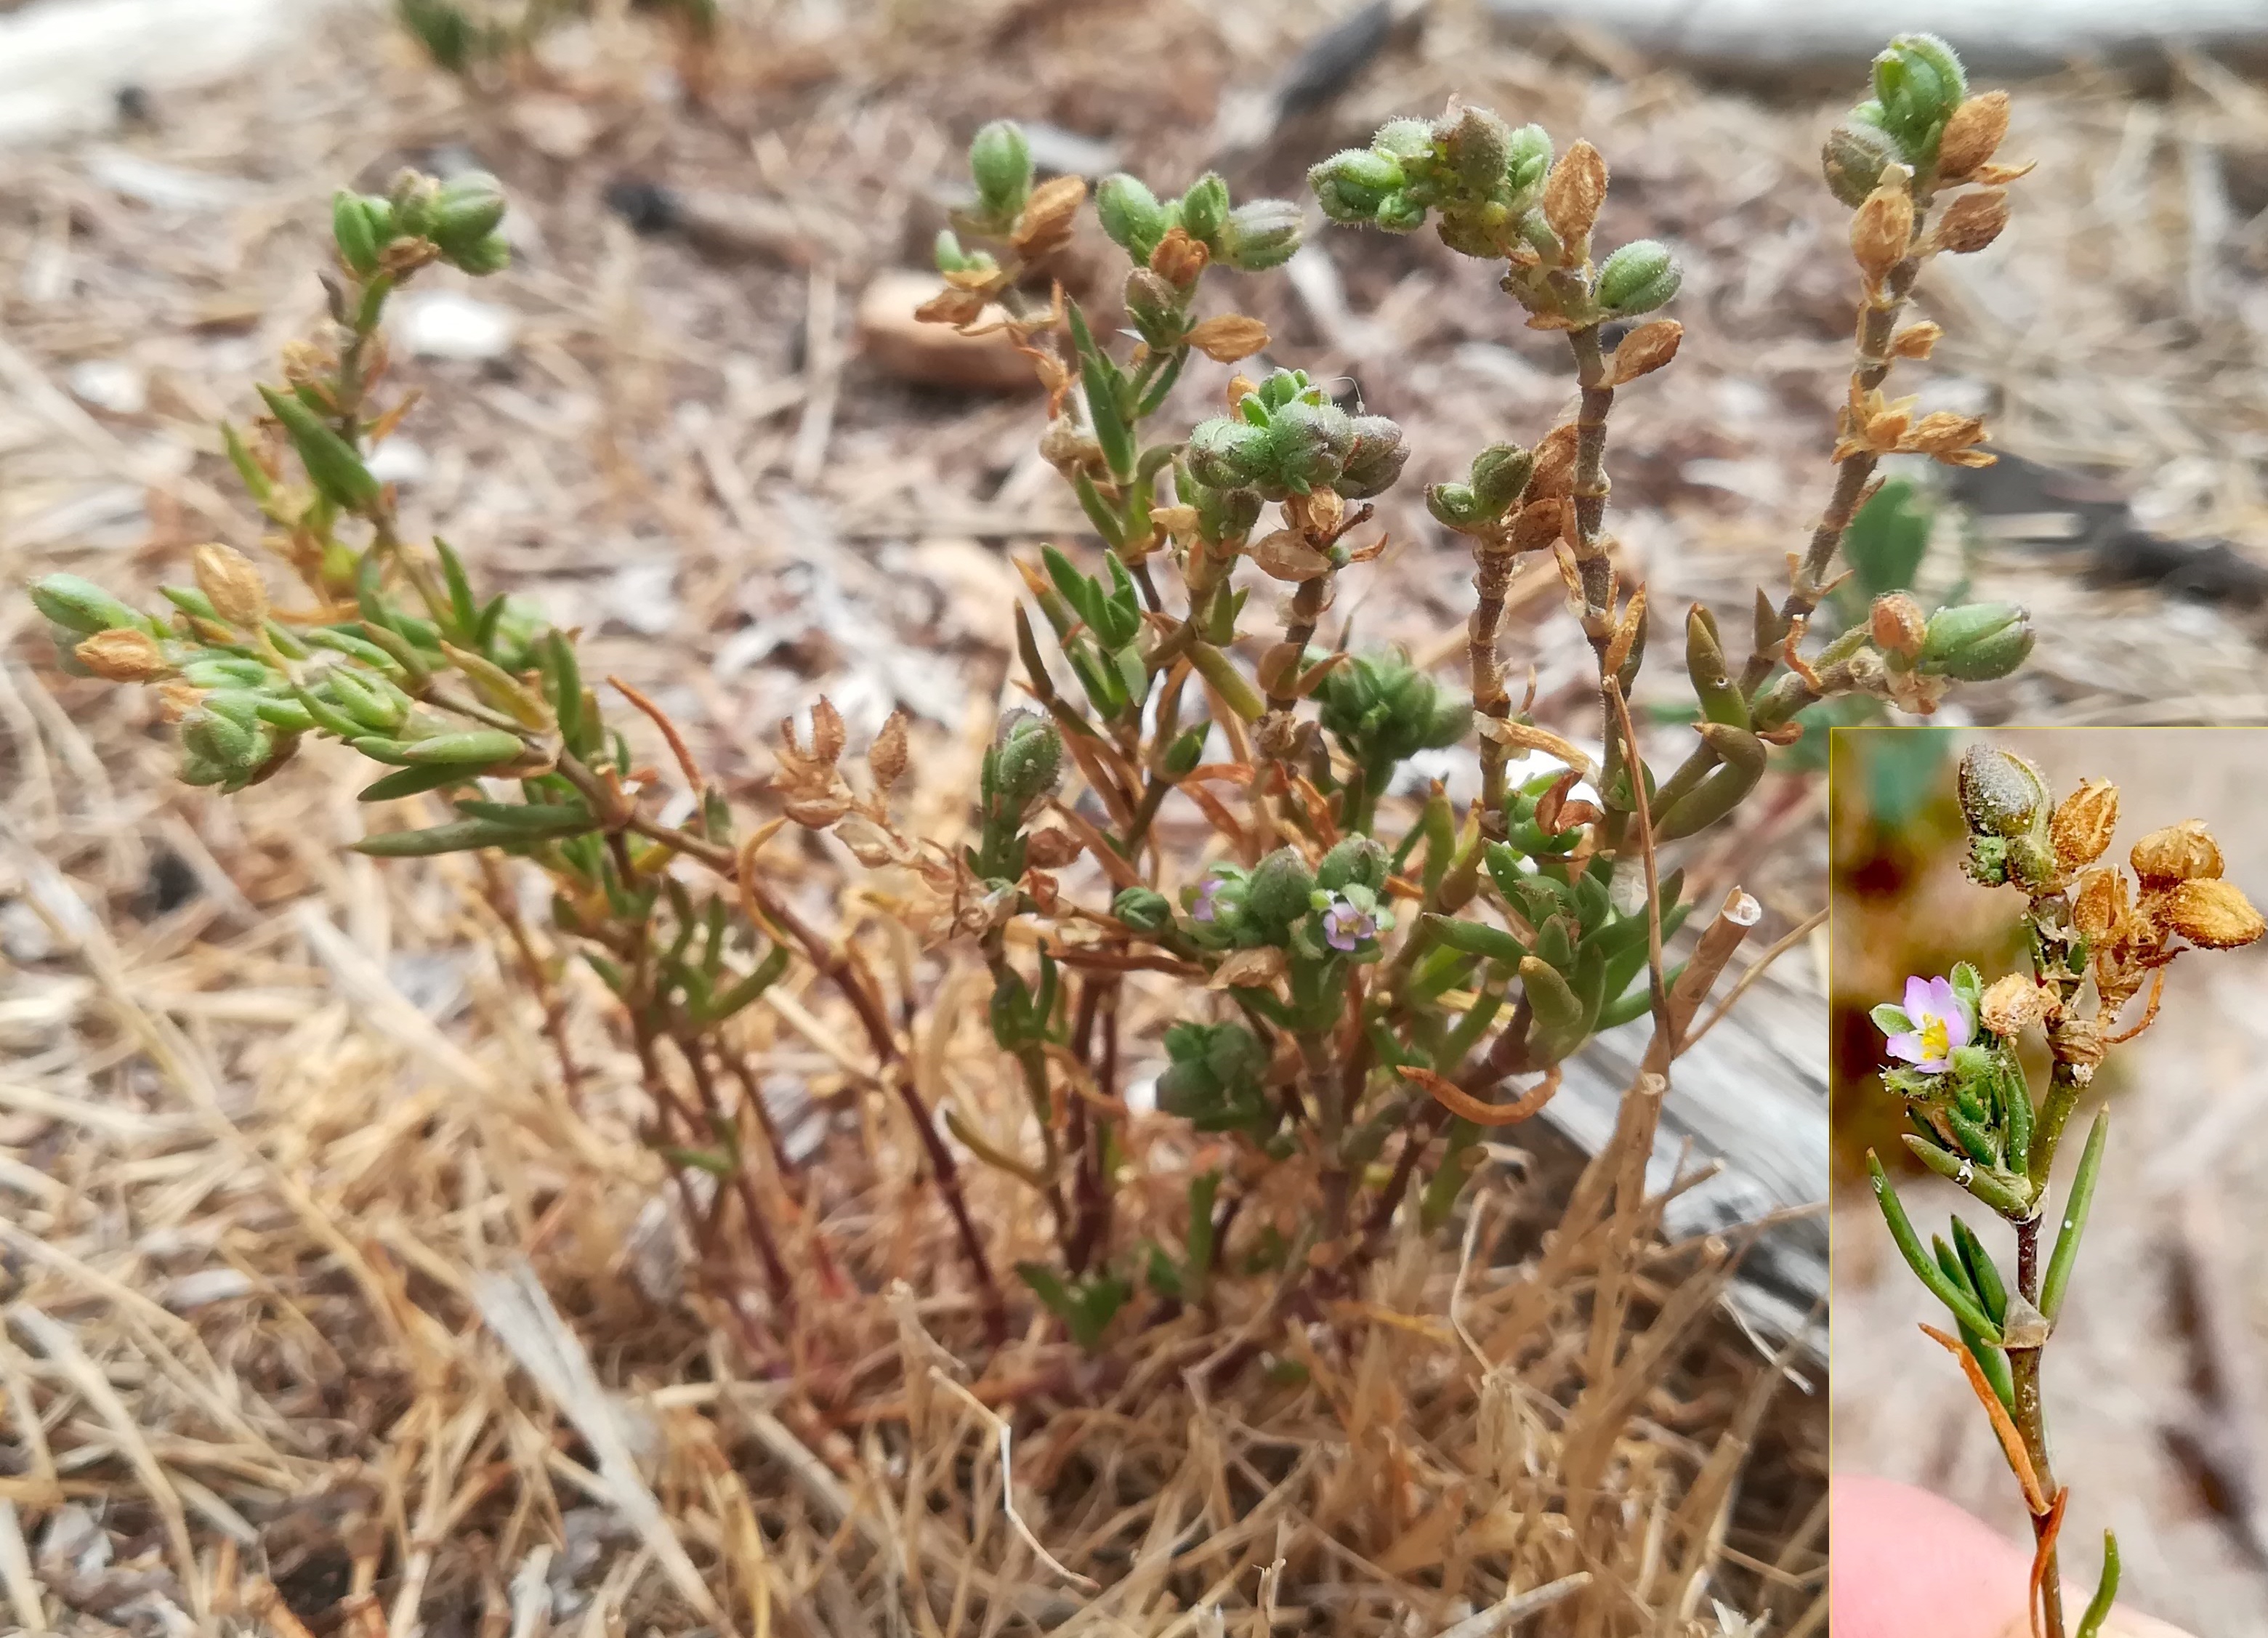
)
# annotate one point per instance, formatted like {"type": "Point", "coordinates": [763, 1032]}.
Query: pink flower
{"type": "Point", "coordinates": [1939, 1023]}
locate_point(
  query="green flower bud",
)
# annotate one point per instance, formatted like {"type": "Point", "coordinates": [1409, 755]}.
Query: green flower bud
{"type": "Point", "coordinates": [483, 256]}
{"type": "Point", "coordinates": [1478, 147]}
{"type": "Point", "coordinates": [1351, 184]}
{"type": "Point", "coordinates": [469, 206]}
{"type": "Point", "coordinates": [1278, 893]}
{"type": "Point", "coordinates": [1145, 910]}
{"type": "Point", "coordinates": [1031, 758]}
{"type": "Point", "coordinates": [1204, 208]}
{"type": "Point", "coordinates": [1181, 756]}
{"type": "Point", "coordinates": [1376, 461]}
{"type": "Point", "coordinates": [1223, 515]}
{"type": "Point", "coordinates": [1304, 444]}
{"type": "Point", "coordinates": [1131, 215]}
{"type": "Point", "coordinates": [1000, 160]}
{"type": "Point", "coordinates": [1637, 278]}
{"type": "Point", "coordinates": [1456, 506]}
{"type": "Point", "coordinates": [1529, 159]}
{"type": "Point", "coordinates": [1357, 861]}
{"type": "Point", "coordinates": [1260, 235]}
{"type": "Point", "coordinates": [1853, 157]}
{"type": "Point", "coordinates": [948, 252]}
{"type": "Point", "coordinates": [1976, 642]}
{"type": "Point", "coordinates": [2001, 795]}
{"type": "Point", "coordinates": [1155, 306]}
{"type": "Point", "coordinates": [221, 739]}
{"type": "Point", "coordinates": [1919, 82]}
{"type": "Point", "coordinates": [1988, 860]}
{"type": "Point", "coordinates": [1499, 474]}
{"type": "Point", "coordinates": [1225, 453]}
{"type": "Point", "coordinates": [351, 227]}
{"type": "Point", "coordinates": [1405, 139]}
{"type": "Point", "coordinates": [1400, 213]}
{"type": "Point", "coordinates": [80, 605]}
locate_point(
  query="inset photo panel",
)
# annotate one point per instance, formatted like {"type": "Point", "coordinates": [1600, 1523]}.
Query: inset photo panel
{"type": "Point", "coordinates": [2050, 1111]}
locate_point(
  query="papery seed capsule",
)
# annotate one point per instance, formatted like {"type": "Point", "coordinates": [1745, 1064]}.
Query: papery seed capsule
{"type": "Point", "coordinates": [1897, 624]}
{"type": "Point", "coordinates": [2179, 852]}
{"type": "Point", "coordinates": [2214, 914]}
{"type": "Point", "coordinates": [2083, 823]}
{"type": "Point", "coordinates": [1973, 221]}
{"type": "Point", "coordinates": [1972, 134]}
{"type": "Point", "coordinates": [122, 654]}
{"type": "Point", "coordinates": [228, 580]}
{"type": "Point", "coordinates": [2099, 907]}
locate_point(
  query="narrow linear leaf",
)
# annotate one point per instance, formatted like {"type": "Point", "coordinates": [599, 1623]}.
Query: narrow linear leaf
{"type": "Point", "coordinates": [1964, 1307]}
{"type": "Point", "coordinates": [2074, 1218]}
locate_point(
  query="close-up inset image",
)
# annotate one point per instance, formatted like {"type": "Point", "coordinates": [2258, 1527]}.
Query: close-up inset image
{"type": "Point", "coordinates": [2050, 1331]}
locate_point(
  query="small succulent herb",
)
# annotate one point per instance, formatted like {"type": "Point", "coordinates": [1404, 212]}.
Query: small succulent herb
{"type": "Point", "coordinates": [1368, 982]}
{"type": "Point", "coordinates": [1972, 1109]}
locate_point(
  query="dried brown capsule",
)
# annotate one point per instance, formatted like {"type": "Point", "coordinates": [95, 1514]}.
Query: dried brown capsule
{"type": "Point", "coordinates": [2083, 823]}
{"type": "Point", "coordinates": [2213, 914]}
{"type": "Point", "coordinates": [2180, 852]}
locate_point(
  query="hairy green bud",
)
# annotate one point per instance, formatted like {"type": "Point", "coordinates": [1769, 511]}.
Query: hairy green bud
{"type": "Point", "coordinates": [1375, 460]}
{"type": "Point", "coordinates": [1145, 910]}
{"type": "Point", "coordinates": [1637, 278]}
{"type": "Point", "coordinates": [1031, 757]}
{"type": "Point", "coordinates": [469, 206]}
{"type": "Point", "coordinates": [1260, 235]}
{"type": "Point", "coordinates": [1225, 453]}
{"type": "Point", "coordinates": [2001, 795]}
{"type": "Point", "coordinates": [1479, 148]}
{"type": "Point", "coordinates": [1976, 642]}
{"type": "Point", "coordinates": [1499, 477]}
{"type": "Point", "coordinates": [1204, 208]}
{"type": "Point", "coordinates": [1000, 161]}
{"type": "Point", "coordinates": [1456, 506]}
{"type": "Point", "coordinates": [1279, 892]}
{"type": "Point", "coordinates": [1131, 215]}
{"type": "Point", "coordinates": [80, 605]}
{"type": "Point", "coordinates": [1351, 184]}
{"type": "Point", "coordinates": [1358, 860]}
{"type": "Point", "coordinates": [1528, 159]}
{"type": "Point", "coordinates": [1852, 159]}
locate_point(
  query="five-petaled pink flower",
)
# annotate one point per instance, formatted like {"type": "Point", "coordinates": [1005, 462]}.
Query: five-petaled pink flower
{"type": "Point", "coordinates": [1941, 1023]}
